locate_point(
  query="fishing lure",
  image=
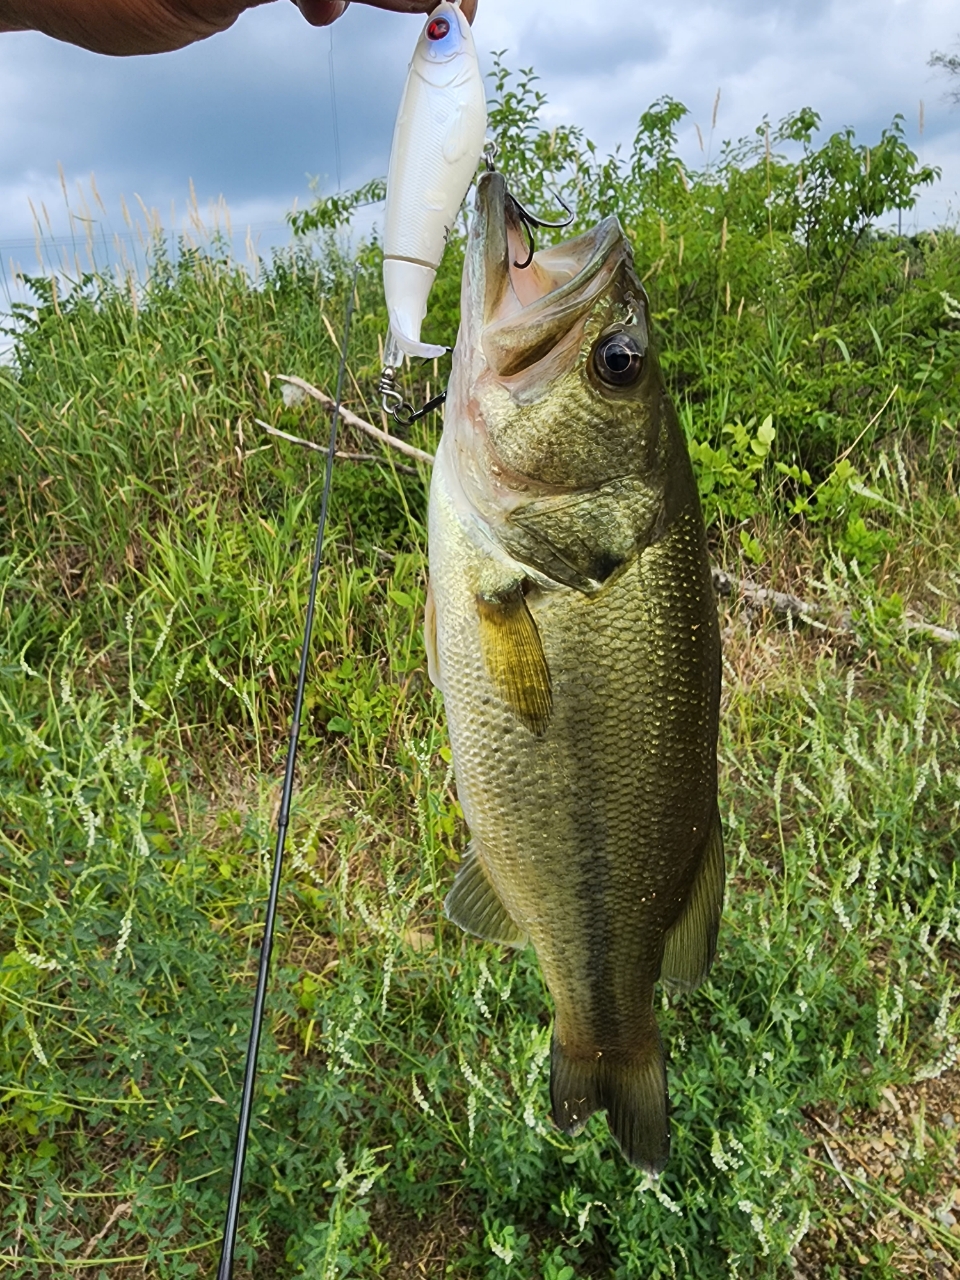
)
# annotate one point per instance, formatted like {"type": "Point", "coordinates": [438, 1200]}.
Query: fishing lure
{"type": "Point", "coordinates": [437, 143]}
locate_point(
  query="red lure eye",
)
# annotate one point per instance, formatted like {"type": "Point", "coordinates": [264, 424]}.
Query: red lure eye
{"type": "Point", "coordinates": [437, 29]}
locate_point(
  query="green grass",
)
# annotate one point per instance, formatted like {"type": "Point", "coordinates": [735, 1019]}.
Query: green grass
{"type": "Point", "coordinates": [152, 587]}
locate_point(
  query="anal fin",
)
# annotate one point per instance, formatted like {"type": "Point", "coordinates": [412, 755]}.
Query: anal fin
{"type": "Point", "coordinates": [474, 904]}
{"type": "Point", "coordinates": [691, 943]}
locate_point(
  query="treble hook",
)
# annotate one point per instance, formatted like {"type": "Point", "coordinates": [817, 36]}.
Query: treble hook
{"type": "Point", "coordinates": [529, 221]}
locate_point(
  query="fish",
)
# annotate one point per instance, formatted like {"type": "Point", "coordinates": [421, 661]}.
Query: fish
{"type": "Point", "coordinates": [572, 629]}
{"type": "Point", "coordinates": [437, 143]}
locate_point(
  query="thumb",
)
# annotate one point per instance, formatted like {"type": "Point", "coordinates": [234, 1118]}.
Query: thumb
{"type": "Point", "coordinates": [320, 13]}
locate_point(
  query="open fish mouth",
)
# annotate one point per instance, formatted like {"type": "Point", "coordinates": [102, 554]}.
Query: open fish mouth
{"type": "Point", "coordinates": [519, 314]}
{"type": "Point", "coordinates": [534, 401]}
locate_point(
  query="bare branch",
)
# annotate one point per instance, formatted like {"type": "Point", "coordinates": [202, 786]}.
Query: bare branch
{"type": "Point", "coordinates": [945, 634]}
{"type": "Point", "coordinates": [725, 584]}
{"type": "Point", "coordinates": [949, 62]}
{"type": "Point", "coordinates": [780, 602]}
{"type": "Point", "coordinates": [340, 453]}
{"type": "Point", "coordinates": [763, 597]}
{"type": "Point", "coordinates": [120, 1211]}
{"type": "Point", "coordinates": [352, 420]}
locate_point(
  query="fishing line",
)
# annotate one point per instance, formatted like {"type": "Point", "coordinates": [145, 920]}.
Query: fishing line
{"type": "Point", "coordinates": [225, 1269]}
{"type": "Point", "coordinates": [333, 105]}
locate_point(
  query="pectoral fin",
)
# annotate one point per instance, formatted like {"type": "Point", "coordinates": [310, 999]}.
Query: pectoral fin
{"type": "Point", "coordinates": [458, 135]}
{"type": "Point", "coordinates": [514, 658]}
{"type": "Point", "coordinates": [692, 941]}
{"type": "Point", "coordinates": [474, 904]}
{"type": "Point", "coordinates": [430, 637]}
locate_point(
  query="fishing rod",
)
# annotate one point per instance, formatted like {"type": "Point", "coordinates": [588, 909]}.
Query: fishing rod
{"type": "Point", "coordinates": [225, 1269]}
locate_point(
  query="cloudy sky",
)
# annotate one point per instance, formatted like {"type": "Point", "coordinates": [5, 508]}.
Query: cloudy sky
{"type": "Point", "coordinates": [249, 115]}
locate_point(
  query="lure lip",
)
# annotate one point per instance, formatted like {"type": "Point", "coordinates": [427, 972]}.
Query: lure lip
{"type": "Point", "coordinates": [407, 286]}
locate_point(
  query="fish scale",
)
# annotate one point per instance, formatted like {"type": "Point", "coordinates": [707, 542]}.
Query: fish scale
{"type": "Point", "coordinates": [582, 714]}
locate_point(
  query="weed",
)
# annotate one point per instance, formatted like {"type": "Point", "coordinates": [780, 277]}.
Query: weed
{"type": "Point", "coordinates": [152, 588]}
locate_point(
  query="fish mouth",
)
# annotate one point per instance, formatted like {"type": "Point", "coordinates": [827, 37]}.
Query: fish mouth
{"type": "Point", "coordinates": [521, 314]}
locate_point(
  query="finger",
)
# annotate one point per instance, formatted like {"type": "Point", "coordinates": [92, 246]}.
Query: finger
{"type": "Point", "coordinates": [124, 27]}
{"type": "Point", "coordinates": [320, 13]}
{"type": "Point", "coordinates": [402, 6]}
{"type": "Point", "coordinates": [469, 7]}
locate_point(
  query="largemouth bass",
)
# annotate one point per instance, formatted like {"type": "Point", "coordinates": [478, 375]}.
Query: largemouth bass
{"type": "Point", "coordinates": [572, 628]}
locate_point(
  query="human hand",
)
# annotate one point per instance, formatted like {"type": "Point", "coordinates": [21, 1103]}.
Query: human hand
{"type": "Point", "coordinates": [320, 13]}
{"type": "Point", "coordinates": [156, 26]}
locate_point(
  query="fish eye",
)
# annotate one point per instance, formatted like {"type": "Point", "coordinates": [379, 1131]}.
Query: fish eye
{"type": "Point", "coordinates": [618, 360]}
{"type": "Point", "coordinates": [438, 28]}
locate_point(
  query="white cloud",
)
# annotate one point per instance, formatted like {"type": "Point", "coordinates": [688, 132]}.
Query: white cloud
{"type": "Point", "coordinates": [248, 114]}
{"type": "Point", "coordinates": [857, 62]}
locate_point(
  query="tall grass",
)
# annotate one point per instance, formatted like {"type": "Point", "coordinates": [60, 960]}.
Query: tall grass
{"type": "Point", "coordinates": [152, 585]}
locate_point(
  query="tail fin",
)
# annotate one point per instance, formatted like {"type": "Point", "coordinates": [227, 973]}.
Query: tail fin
{"type": "Point", "coordinates": [634, 1095]}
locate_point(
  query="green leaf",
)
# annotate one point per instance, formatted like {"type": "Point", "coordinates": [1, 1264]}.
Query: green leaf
{"type": "Point", "coordinates": [751, 547]}
{"type": "Point", "coordinates": [765, 432]}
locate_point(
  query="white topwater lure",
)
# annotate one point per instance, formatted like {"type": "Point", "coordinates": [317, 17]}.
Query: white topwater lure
{"type": "Point", "coordinates": [437, 143]}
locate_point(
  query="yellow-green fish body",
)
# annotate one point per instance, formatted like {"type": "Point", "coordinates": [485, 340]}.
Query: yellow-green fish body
{"type": "Point", "coordinates": [572, 629]}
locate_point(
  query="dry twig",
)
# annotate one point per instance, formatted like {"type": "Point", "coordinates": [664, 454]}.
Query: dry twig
{"type": "Point", "coordinates": [725, 584]}
{"type": "Point", "coordinates": [764, 597]}
{"type": "Point", "coordinates": [780, 602]}
{"type": "Point", "coordinates": [352, 420]}
{"type": "Point", "coordinates": [119, 1212]}
{"type": "Point", "coordinates": [946, 634]}
{"type": "Point", "coordinates": [340, 453]}
{"type": "Point", "coordinates": [839, 1168]}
